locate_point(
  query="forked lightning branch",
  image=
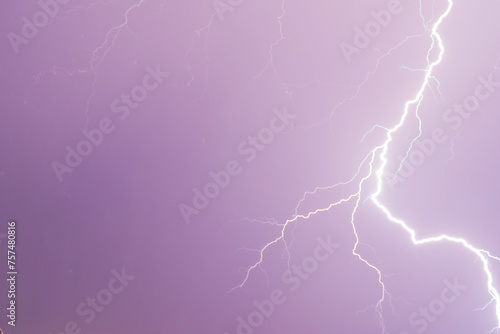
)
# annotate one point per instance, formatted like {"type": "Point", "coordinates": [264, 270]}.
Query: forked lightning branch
{"type": "Point", "coordinates": [377, 161]}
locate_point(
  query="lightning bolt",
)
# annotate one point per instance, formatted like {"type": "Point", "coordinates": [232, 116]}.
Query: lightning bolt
{"type": "Point", "coordinates": [380, 154]}
{"type": "Point", "coordinates": [480, 253]}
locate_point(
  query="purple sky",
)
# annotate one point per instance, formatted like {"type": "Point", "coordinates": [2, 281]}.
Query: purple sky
{"type": "Point", "coordinates": [153, 150]}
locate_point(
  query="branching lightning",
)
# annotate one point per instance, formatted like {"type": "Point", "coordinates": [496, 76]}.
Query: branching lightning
{"type": "Point", "coordinates": [380, 155]}
{"type": "Point", "coordinates": [481, 254]}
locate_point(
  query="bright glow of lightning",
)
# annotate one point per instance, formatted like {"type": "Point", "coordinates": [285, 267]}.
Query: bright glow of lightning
{"type": "Point", "coordinates": [482, 254]}
{"type": "Point", "coordinates": [381, 153]}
